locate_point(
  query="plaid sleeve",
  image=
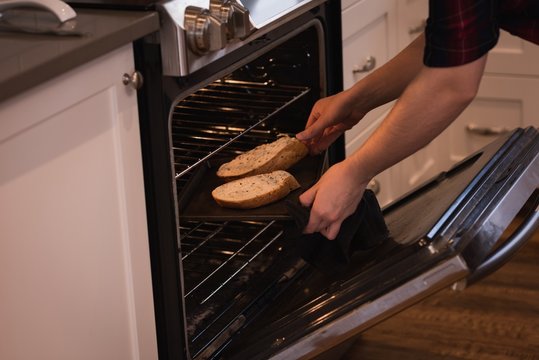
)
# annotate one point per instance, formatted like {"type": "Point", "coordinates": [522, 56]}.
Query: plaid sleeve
{"type": "Point", "coordinates": [459, 31]}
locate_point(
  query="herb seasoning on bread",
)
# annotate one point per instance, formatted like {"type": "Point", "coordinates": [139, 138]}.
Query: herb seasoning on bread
{"type": "Point", "coordinates": [255, 191]}
{"type": "Point", "coordinates": [278, 155]}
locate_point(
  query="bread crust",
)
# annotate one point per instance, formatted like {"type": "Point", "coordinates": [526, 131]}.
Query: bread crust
{"type": "Point", "coordinates": [278, 155]}
{"type": "Point", "coordinates": [255, 191]}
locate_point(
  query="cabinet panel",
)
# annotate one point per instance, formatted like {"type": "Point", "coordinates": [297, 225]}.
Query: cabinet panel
{"type": "Point", "coordinates": [366, 37]}
{"type": "Point", "coordinates": [502, 103]}
{"type": "Point", "coordinates": [369, 32]}
{"type": "Point", "coordinates": [411, 20]}
{"type": "Point", "coordinates": [513, 55]}
{"type": "Point", "coordinates": [355, 138]}
{"type": "Point", "coordinates": [74, 259]}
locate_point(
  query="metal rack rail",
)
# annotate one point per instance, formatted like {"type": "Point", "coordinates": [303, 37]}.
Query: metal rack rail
{"type": "Point", "coordinates": [227, 117]}
{"type": "Point", "coordinates": [220, 263]}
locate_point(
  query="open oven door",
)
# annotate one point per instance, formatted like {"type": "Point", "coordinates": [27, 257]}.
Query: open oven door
{"type": "Point", "coordinates": [448, 231]}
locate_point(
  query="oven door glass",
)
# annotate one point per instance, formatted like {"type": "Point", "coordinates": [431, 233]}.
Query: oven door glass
{"type": "Point", "coordinates": [439, 234]}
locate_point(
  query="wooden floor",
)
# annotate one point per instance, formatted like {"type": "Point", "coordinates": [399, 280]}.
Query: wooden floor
{"type": "Point", "coordinates": [497, 318]}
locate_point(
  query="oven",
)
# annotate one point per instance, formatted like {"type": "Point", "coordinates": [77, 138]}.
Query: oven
{"type": "Point", "coordinates": [222, 77]}
{"type": "Point", "coordinates": [216, 272]}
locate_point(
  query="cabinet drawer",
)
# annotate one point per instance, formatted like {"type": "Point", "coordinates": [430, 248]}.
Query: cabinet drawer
{"type": "Point", "coordinates": [513, 55]}
{"type": "Point", "coordinates": [411, 20]}
{"type": "Point", "coordinates": [368, 33]}
{"type": "Point", "coordinates": [502, 103]}
{"type": "Point", "coordinates": [369, 40]}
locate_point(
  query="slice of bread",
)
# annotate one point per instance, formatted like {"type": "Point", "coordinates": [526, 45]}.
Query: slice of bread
{"type": "Point", "coordinates": [254, 191]}
{"type": "Point", "coordinates": [278, 155]}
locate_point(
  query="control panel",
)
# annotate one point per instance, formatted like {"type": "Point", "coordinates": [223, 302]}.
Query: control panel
{"type": "Point", "coordinates": [211, 29]}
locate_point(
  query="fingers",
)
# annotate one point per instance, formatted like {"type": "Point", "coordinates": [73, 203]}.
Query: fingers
{"type": "Point", "coordinates": [315, 125]}
{"type": "Point", "coordinates": [307, 133]}
{"type": "Point", "coordinates": [325, 141]}
{"type": "Point", "coordinates": [318, 223]}
{"type": "Point", "coordinates": [328, 228]}
{"type": "Point", "coordinates": [318, 134]}
{"type": "Point", "coordinates": [313, 116]}
{"type": "Point", "coordinates": [331, 231]}
{"type": "Point", "coordinates": [307, 198]}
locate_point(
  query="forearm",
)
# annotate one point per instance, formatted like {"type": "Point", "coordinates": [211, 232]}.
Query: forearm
{"type": "Point", "coordinates": [429, 104]}
{"type": "Point", "coordinates": [389, 81]}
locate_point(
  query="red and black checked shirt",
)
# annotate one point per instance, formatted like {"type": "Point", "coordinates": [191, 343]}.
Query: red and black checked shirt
{"type": "Point", "coordinates": [460, 31]}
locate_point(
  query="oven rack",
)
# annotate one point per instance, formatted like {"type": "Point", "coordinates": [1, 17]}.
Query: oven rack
{"type": "Point", "coordinates": [227, 117]}
{"type": "Point", "coordinates": [223, 244]}
{"type": "Point", "coordinates": [220, 262]}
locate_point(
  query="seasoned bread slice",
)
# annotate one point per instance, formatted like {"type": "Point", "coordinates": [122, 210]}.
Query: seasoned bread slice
{"type": "Point", "coordinates": [278, 155]}
{"type": "Point", "coordinates": [256, 190]}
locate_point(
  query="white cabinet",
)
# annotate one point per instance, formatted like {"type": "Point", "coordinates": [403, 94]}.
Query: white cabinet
{"type": "Point", "coordinates": [368, 31]}
{"type": "Point", "coordinates": [502, 104]}
{"type": "Point", "coordinates": [507, 98]}
{"type": "Point", "coordinates": [369, 40]}
{"type": "Point", "coordinates": [74, 261]}
{"type": "Point", "coordinates": [513, 56]}
{"type": "Point", "coordinates": [378, 30]}
{"type": "Point", "coordinates": [411, 20]}
{"type": "Point", "coordinates": [414, 170]}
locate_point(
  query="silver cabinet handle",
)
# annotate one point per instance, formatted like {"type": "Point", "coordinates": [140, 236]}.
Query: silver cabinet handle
{"type": "Point", "coordinates": [418, 29]}
{"type": "Point", "coordinates": [135, 80]}
{"type": "Point", "coordinates": [374, 185]}
{"type": "Point", "coordinates": [368, 65]}
{"type": "Point", "coordinates": [486, 131]}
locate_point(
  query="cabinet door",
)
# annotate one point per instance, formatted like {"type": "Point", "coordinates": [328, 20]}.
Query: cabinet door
{"type": "Point", "coordinates": [411, 20]}
{"type": "Point", "coordinates": [513, 55]}
{"type": "Point", "coordinates": [502, 104]}
{"type": "Point", "coordinates": [369, 40]}
{"type": "Point", "coordinates": [369, 37]}
{"type": "Point", "coordinates": [74, 260]}
{"type": "Point", "coordinates": [382, 184]}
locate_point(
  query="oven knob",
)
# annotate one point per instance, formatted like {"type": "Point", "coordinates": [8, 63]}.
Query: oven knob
{"type": "Point", "coordinates": [235, 16]}
{"type": "Point", "coordinates": [204, 31]}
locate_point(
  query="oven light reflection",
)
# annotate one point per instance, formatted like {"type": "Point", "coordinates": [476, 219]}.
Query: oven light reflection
{"type": "Point", "coordinates": [321, 304]}
{"type": "Point", "coordinates": [321, 318]}
{"type": "Point", "coordinates": [279, 341]}
{"type": "Point", "coordinates": [227, 252]}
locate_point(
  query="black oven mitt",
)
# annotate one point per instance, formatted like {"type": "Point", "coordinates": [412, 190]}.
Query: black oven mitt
{"type": "Point", "coordinates": [365, 229]}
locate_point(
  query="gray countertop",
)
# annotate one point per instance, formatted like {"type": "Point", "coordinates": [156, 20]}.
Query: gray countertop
{"type": "Point", "coordinates": [27, 60]}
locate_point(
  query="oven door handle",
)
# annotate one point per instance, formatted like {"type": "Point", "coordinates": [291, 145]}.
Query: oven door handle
{"type": "Point", "coordinates": [507, 250]}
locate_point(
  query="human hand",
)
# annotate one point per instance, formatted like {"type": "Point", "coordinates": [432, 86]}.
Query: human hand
{"type": "Point", "coordinates": [329, 118]}
{"type": "Point", "coordinates": [332, 199]}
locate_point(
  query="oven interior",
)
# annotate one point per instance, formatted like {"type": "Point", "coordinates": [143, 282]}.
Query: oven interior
{"type": "Point", "coordinates": [232, 268]}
